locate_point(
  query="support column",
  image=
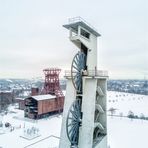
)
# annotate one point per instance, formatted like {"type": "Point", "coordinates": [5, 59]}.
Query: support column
{"type": "Point", "coordinates": [88, 110]}
{"type": "Point", "coordinates": [69, 99]}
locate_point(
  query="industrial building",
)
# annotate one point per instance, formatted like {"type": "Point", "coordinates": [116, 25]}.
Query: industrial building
{"type": "Point", "coordinates": [42, 105]}
{"type": "Point", "coordinates": [47, 102]}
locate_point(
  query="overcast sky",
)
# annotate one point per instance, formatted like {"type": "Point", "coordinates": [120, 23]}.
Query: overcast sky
{"type": "Point", "coordinates": [32, 37]}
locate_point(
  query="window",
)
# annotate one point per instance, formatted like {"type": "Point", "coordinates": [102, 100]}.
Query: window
{"type": "Point", "coordinates": [85, 34]}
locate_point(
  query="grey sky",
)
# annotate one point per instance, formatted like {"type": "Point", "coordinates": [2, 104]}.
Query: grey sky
{"type": "Point", "coordinates": [32, 37]}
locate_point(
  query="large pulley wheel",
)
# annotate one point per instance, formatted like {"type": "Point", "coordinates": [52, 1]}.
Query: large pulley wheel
{"type": "Point", "coordinates": [77, 68]}
{"type": "Point", "coordinates": [73, 122]}
{"type": "Point", "coordinates": [97, 132]}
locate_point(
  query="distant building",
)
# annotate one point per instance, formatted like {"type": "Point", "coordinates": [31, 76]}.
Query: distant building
{"type": "Point", "coordinates": [21, 103]}
{"type": "Point", "coordinates": [6, 98]}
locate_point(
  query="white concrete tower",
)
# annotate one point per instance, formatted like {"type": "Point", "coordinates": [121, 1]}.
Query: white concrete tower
{"type": "Point", "coordinates": [84, 123]}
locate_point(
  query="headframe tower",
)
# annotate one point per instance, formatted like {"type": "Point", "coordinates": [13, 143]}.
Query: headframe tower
{"type": "Point", "coordinates": [84, 123]}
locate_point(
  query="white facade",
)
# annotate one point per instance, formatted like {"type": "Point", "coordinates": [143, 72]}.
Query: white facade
{"type": "Point", "coordinates": [90, 43]}
{"type": "Point", "coordinates": [69, 98]}
{"type": "Point", "coordinates": [93, 129]}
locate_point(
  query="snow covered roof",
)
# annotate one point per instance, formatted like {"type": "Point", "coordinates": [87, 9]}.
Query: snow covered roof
{"type": "Point", "coordinates": [43, 97]}
{"type": "Point", "coordinates": [20, 98]}
{"type": "Point", "coordinates": [6, 91]}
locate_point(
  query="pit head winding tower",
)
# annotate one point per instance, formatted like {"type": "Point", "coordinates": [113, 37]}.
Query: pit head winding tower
{"type": "Point", "coordinates": [84, 122]}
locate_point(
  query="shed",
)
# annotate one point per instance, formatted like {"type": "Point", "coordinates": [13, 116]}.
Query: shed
{"type": "Point", "coordinates": [21, 103]}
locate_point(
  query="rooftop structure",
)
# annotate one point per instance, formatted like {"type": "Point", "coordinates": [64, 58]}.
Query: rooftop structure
{"type": "Point", "coordinates": [75, 22]}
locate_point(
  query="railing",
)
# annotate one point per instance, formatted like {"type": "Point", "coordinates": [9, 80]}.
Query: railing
{"type": "Point", "coordinates": [101, 73]}
{"type": "Point", "coordinates": [90, 73]}
{"type": "Point", "coordinates": [79, 19]}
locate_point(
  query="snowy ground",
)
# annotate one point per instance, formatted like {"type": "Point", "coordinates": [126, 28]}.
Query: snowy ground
{"type": "Point", "coordinates": [122, 132]}
{"type": "Point", "coordinates": [49, 132]}
{"type": "Point", "coordinates": [125, 102]}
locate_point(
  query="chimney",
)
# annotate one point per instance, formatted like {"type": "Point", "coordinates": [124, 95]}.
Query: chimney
{"type": "Point", "coordinates": [34, 91]}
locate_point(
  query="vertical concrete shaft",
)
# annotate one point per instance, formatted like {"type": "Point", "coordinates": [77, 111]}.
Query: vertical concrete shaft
{"type": "Point", "coordinates": [69, 99]}
{"type": "Point", "coordinates": [88, 110]}
{"type": "Point", "coordinates": [78, 31]}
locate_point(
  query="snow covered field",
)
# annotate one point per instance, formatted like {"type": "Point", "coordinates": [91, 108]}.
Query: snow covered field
{"type": "Point", "coordinates": [122, 132]}
{"type": "Point", "coordinates": [125, 102]}
{"type": "Point", "coordinates": [49, 130]}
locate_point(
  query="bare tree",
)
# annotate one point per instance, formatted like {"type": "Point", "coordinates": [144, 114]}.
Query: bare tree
{"type": "Point", "coordinates": [131, 115]}
{"type": "Point", "coordinates": [142, 117]}
{"type": "Point", "coordinates": [112, 111]}
{"type": "Point", "coordinates": [121, 115]}
{"type": "Point", "coordinates": [4, 102]}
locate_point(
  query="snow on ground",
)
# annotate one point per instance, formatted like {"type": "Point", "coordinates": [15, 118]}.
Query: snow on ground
{"type": "Point", "coordinates": [122, 132]}
{"type": "Point", "coordinates": [47, 128]}
{"type": "Point", "coordinates": [125, 102]}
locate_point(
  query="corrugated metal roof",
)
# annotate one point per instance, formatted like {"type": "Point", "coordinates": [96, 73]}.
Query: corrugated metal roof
{"type": "Point", "coordinates": [43, 97]}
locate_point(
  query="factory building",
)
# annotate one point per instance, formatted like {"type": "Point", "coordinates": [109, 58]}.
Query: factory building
{"type": "Point", "coordinates": [40, 106]}
{"type": "Point", "coordinates": [47, 102]}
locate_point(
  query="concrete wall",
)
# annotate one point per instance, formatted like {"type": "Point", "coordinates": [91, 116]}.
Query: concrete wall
{"type": "Point", "coordinates": [70, 97]}
{"type": "Point", "coordinates": [102, 143]}
{"type": "Point", "coordinates": [88, 110]}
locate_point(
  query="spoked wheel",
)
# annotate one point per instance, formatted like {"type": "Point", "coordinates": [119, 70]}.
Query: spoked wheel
{"type": "Point", "coordinates": [96, 133]}
{"type": "Point", "coordinates": [77, 68]}
{"type": "Point", "coordinates": [73, 122]}
{"type": "Point", "coordinates": [96, 129]}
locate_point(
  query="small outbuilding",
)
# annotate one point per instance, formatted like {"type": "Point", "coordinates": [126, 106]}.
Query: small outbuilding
{"type": "Point", "coordinates": [21, 103]}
